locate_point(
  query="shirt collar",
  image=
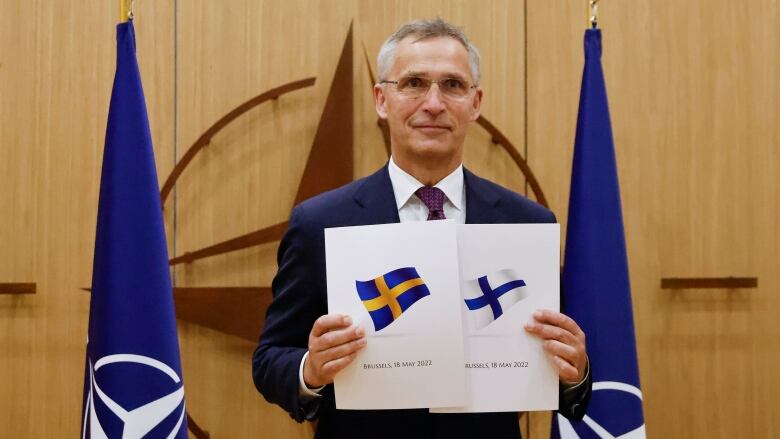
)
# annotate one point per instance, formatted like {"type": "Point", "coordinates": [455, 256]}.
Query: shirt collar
{"type": "Point", "coordinates": [404, 185]}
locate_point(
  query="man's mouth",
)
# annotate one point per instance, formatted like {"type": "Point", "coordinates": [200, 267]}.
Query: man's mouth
{"type": "Point", "coordinates": [432, 127]}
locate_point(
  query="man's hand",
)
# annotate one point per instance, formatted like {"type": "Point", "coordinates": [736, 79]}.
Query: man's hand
{"type": "Point", "coordinates": [564, 340]}
{"type": "Point", "coordinates": [333, 344]}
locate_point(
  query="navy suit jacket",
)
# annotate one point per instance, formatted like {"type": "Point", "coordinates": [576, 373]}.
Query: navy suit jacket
{"type": "Point", "coordinates": [300, 298]}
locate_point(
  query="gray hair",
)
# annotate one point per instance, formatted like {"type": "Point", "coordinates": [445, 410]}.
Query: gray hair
{"type": "Point", "coordinates": [423, 30]}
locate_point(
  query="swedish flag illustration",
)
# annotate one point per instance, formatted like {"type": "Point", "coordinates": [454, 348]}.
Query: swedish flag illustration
{"type": "Point", "coordinates": [389, 295]}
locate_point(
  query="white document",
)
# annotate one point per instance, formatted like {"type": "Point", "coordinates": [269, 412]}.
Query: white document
{"type": "Point", "coordinates": [410, 309]}
{"type": "Point", "coordinates": [507, 272]}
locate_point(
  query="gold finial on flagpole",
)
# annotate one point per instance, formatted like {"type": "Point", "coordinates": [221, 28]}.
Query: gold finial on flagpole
{"type": "Point", "coordinates": [592, 7]}
{"type": "Point", "coordinates": [125, 10]}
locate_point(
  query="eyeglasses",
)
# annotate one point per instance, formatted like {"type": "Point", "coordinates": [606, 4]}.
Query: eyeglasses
{"type": "Point", "coordinates": [414, 87]}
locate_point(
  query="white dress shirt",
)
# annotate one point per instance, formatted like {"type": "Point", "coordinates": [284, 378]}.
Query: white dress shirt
{"type": "Point", "coordinates": [411, 208]}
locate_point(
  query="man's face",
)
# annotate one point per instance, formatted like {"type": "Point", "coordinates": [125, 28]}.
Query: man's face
{"type": "Point", "coordinates": [432, 126]}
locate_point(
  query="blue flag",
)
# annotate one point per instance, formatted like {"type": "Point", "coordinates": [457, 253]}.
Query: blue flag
{"type": "Point", "coordinates": [596, 289]}
{"type": "Point", "coordinates": [133, 382]}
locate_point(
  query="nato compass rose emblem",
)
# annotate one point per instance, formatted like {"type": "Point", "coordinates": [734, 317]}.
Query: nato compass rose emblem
{"type": "Point", "coordinates": [616, 426]}
{"type": "Point", "coordinates": [120, 403]}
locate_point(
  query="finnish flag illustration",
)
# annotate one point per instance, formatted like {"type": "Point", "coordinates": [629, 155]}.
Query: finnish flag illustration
{"type": "Point", "coordinates": [488, 297]}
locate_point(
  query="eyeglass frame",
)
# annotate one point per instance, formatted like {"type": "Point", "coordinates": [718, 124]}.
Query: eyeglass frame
{"type": "Point", "coordinates": [433, 81]}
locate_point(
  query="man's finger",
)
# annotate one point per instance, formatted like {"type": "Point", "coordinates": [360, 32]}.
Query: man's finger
{"type": "Point", "coordinates": [557, 319]}
{"type": "Point", "coordinates": [550, 332]}
{"type": "Point", "coordinates": [566, 371]}
{"type": "Point", "coordinates": [329, 322]}
{"type": "Point", "coordinates": [558, 349]}
{"type": "Point", "coordinates": [340, 351]}
{"type": "Point", "coordinates": [333, 367]}
{"type": "Point", "coordinates": [335, 338]}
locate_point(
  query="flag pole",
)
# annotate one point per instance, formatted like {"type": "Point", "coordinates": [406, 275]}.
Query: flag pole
{"type": "Point", "coordinates": [125, 10]}
{"type": "Point", "coordinates": [592, 13]}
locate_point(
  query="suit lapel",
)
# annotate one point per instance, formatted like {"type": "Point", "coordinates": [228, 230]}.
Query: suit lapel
{"type": "Point", "coordinates": [481, 201]}
{"type": "Point", "coordinates": [377, 199]}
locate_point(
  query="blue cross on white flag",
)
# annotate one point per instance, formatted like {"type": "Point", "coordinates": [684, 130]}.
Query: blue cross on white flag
{"type": "Point", "coordinates": [488, 297]}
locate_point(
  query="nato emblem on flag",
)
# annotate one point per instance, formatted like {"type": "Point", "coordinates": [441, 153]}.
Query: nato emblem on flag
{"type": "Point", "coordinates": [389, 295]}
{"type": "Point", "coordinates": [491, 295]}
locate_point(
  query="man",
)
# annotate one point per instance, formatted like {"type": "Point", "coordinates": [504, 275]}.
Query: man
{"type": "Point", "coordinates": [429, 93]}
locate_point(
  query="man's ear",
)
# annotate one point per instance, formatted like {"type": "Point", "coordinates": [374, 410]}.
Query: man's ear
{"type": "Point", "coordinates": [380, 100]}
{"type": "Point", "coordinates": [476, 104]}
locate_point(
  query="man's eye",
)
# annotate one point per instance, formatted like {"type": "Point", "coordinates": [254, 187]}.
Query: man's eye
{"type": "Point", "coordinates": [453, 84]}
{"type": "Point", "coordinates": [414, 82]}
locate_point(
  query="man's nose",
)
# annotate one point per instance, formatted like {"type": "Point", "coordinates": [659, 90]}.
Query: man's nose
{"type": "Point", "coordinates": [433, 102]}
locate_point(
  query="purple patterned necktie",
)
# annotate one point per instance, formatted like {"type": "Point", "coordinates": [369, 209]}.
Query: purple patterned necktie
{"type": "Point", "coordinates": [433, 198]}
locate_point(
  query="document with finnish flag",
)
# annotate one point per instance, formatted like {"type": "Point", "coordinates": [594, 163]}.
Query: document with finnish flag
{"type": "Point", "coordinates": [400, 283]}
{"type": "Point", "coordinates": [443, 307]}
{"type": "Point", "coordinates": [507, 272]}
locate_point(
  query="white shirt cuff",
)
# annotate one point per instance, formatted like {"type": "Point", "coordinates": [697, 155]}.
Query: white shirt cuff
{"type": "Point", "coordinates": [303, 389]}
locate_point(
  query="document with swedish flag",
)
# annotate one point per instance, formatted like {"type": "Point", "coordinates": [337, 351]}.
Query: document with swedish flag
{"type": "Point", "coordinates": [507, 272]}
{"type": "Point", "coordinates": [400, 283]}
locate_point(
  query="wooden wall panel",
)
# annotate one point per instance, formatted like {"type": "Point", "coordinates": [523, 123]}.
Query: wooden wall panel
{"type": "Point", "coordinates": [56, 69]}
{"type": "Point", "coordinates": [248, 176]}
{"type": "Point", "coordinates": [694, 101]}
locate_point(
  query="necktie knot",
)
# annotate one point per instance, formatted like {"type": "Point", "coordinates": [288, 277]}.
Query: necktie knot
{"type": "Point", "coordinates": [433, 198]}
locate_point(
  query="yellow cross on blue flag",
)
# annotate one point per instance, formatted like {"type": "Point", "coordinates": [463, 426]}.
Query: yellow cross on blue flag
{"type": "Point", "coordinates": [389, 295]}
